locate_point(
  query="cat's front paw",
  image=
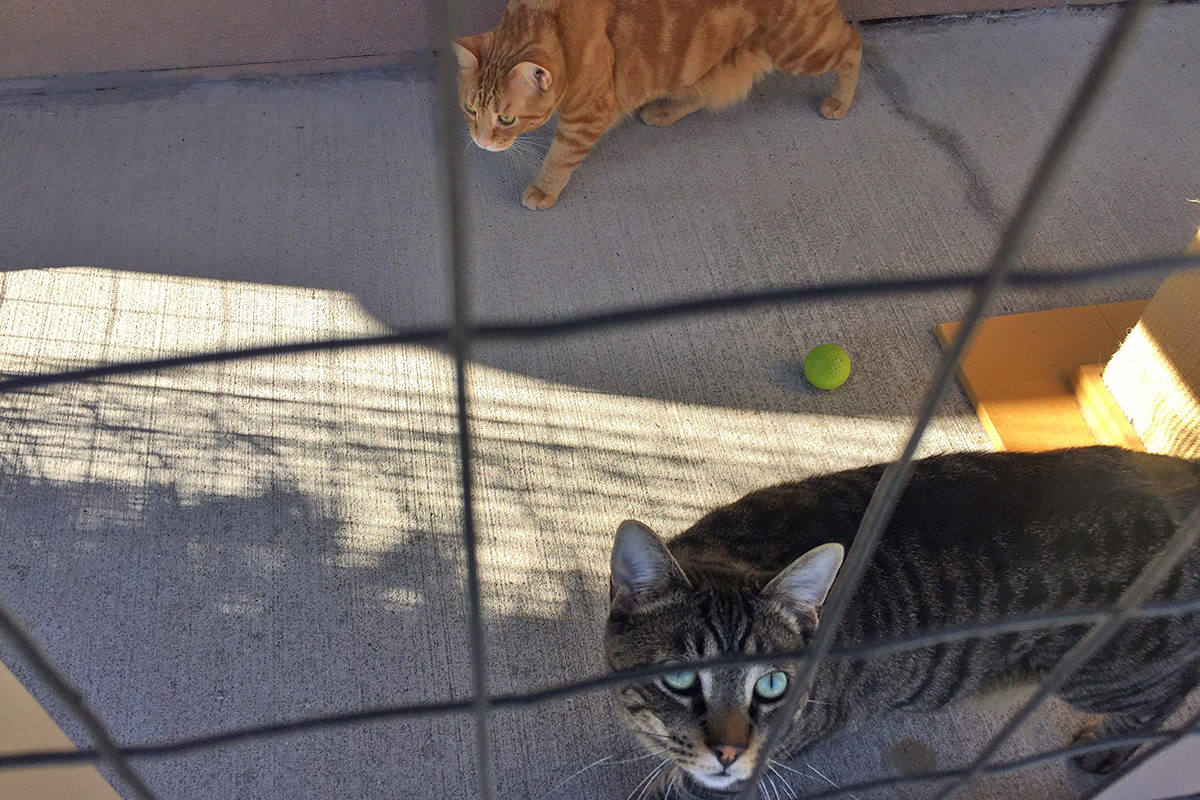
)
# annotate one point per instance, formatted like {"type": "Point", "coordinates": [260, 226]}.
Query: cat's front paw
{"type": "Point", "coordinates": [536, 200]}
{"type": "Point", "coordinates": [1101, 762]}
{"type": "Point", "coordinates": [832, 108]}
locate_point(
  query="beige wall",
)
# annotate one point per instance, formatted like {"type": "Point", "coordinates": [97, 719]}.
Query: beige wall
{"type": "Point", "coordinates": [54, 37]}
{"type": "Point", "coordinates": [43, 38]}
{"type": "Point", "coordinates": [888, 9]}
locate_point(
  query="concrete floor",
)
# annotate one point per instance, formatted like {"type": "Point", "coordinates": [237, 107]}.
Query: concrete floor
{"type": "Point", "coordinates": [231, 545]}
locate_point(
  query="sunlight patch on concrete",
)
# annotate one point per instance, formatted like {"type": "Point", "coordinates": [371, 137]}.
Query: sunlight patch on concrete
{"type": "Point", "coordinates": [370, 435]}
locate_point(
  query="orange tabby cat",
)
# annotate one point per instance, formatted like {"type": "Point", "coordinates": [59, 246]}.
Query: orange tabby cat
{"type": "Point", "coordinates": [595, 60]}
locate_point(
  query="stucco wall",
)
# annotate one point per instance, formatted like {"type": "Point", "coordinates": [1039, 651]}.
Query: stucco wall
{"type": "Point", "coordinates": [41, 38]}
{"type": "Point", "coordinates": [57, 37]}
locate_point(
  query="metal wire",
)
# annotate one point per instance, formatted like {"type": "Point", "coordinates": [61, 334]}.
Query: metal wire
{"type": "Point", "coordinates": [608, 680]}
{"type": "Point", "coordinates": [1181, 542]}
{"type": "Point", "coordinates": [632, 315]}
{"type": "Point", "coordinates": [445, 16]}
{"type": "Point", "coordinates": [461, 334]}
{"type": "Point", "coordinates": [895, 478]}
{"type": "Point", "coordinates": [1159, 740]}
{"type": "Point", "coordinates": [1191, 726]}
{"type": "Point", "coordinates": [1006, 767]}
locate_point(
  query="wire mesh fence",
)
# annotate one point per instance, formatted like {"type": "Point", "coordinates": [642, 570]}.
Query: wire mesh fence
{"type": "Point", "coordinates": [464, 333]}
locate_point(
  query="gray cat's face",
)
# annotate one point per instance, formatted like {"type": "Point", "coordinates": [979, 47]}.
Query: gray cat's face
{"type": "Point", "coordinates": [710, 723]}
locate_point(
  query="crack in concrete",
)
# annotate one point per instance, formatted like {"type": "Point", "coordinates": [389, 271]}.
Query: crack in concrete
{"type": "Point", "coordinates": [979, 195]}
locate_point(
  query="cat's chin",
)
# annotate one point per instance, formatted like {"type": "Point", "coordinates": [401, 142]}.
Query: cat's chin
{"type": "Point", "coordinates": [493, 148]}
{"type": "Point", "coordinates": [719, 783]}
{"type": "Point", "coordinates": [707, 787]}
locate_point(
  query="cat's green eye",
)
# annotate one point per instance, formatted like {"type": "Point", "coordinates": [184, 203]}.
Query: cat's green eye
{"type": "Point", "coordinates": [470, 109]}
{"type": "Point", "coordinates": [506, 119]}
{"type": "Point", "coordinates": [771, 686]}
{"type": "Point", "coordinates": [682, 681]}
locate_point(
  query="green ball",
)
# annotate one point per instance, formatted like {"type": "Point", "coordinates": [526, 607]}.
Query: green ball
{"type": "Point", "coordinates": [827, 366]}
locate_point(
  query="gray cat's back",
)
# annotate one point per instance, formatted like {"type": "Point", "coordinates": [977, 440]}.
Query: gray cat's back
{"type": "Point", "coordinates": [1094, 502]}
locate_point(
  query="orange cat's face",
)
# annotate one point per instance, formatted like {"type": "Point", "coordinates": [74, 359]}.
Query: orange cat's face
{"type": "Point", "coordinates": [500, 104]}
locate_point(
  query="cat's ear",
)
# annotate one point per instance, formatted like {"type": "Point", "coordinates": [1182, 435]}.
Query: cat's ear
{"type": "Point", "coordinates": [641, 565]}
{"type": "Point", "coordinates": [467, 50]}
{"type": "Point", "coordinates": [805, 582]}
{"type": "Point", "coordinates": [529, 77]}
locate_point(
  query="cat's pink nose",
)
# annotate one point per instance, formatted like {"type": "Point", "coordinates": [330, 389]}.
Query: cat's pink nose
{"type": "Point", "coordinates": [727, 753]}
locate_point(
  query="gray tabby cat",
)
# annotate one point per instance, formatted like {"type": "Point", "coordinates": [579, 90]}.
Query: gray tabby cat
{"type": "Point", "coordinates": [976, 537]}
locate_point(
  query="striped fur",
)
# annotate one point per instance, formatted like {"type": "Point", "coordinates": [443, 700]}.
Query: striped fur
{"type": "Point", "coordinates": [976, 537]}
{"type": "Point", "coordinates": [593, 61]}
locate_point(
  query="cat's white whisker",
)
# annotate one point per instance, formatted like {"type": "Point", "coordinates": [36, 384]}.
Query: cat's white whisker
{"type": "Point", "coordinates": [637, 789]}
{"type": "Point", "coordinates": [607, 761]}
{"type": "Point", "coordinates": [575, 774]}
{"type": "Point", "coordinates": [526, 154]}
{"type": "Point", "coordinates": [825, 778]}
{"type": "Point", "coordinates": [534, 145]}
{"type": "Point", "coordinates": [774, 788]}
{"type": "Point", "coordinates": [644, 785]}
{"type": "Point", "coordinates": [781, 765]}
{"type": "Point", "coordinates": [672, 785]}
{"type": "Point", "coordinates": [783, 780]}
{"type": "Point", "coordinates": [523, 160]}
{"type": "Point", "coordinates": [653, 776]}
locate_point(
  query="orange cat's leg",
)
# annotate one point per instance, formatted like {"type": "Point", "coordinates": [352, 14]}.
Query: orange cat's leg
{"type": "Point", "coordinates": [838, 103]}
{"type": "Point", "coordinates": [837, 49]}
{"type": "Point", "coordinates": [725, 83]}
{"type": "Point", "coordinates": [572, 141]}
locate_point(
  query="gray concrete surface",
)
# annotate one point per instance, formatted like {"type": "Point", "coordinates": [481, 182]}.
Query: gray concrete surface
{"type": "Point", "coordinates": [226, 546]}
